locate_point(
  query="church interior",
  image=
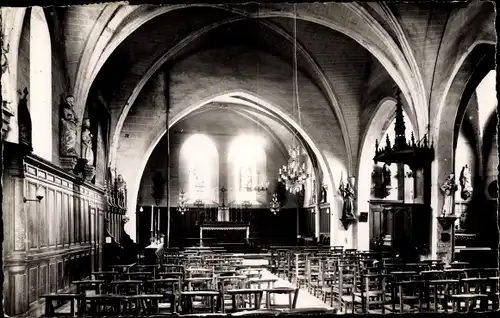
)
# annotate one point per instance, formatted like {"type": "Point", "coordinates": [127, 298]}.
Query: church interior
{"type": "Point", "coordinates": [249, 159]}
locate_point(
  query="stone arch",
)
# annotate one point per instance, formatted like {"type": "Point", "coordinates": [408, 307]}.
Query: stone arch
{"type": "Point", "coordinates": [331, 96]}
{"type": "Point", "coordinates": [12, 26]}
{"type": "Point", "coordinates": [402, 73]}
{"type": "Point", "coordinates": [460, 84]}
{"type": "Point", "coordinates": [259, 103]}
{"type": "Point", "coordinates": [40, 77]}
{"type": "Point", "coordinates": [383, 115]}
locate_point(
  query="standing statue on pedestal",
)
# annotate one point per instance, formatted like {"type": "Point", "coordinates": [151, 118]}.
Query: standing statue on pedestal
{"type": "Point", "coordinates": [465, 183]}
{"type": "Point", "coordinates": [69, 123]}
{"type": "Point", "coordinates": [87, 152]}
{"type": "Point", "coordinates": [347, 193]}
{"type": "Point", "coordinates": [323, 194]}
{"type": "Point", "coordinates": [87, 157]}
{"type": "Point", "coordinates": [449, 188]}
{"type": "Point", "coordinates": [121, 187]}
{"type": "Point", "coordinates": [67, 133]}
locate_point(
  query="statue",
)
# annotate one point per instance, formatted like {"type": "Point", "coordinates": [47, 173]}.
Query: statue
{"type": "Point", "coordinates": [121, 187]}
{"type": "Point", "coordinates": [347, 193]}
{"type": "Point", "coordinates": [448, 188]}
{"type": "Point", "coordinates": [68, 129]}
{"type": "Point", "coordinates": [313, 196]}
{"type": "Point", "coordinates": [324, 192]}
{"type": "Point", "coordinates": [24, 120]}
{"type": "Point", "coordinates": [465, 183]}
{"type": "Point", "coordinates": [87, 152]}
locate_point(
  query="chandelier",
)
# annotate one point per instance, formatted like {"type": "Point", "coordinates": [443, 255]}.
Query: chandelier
{"type": "Point", "coordinates": [293, 174]}
{"type": "Point", "coordinates": [274, 205]}
{"type": "Point", "coordinates": [182, 204]}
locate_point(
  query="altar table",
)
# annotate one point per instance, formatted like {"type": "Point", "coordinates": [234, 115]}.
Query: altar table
{"type": "Point", "coordinates": [223, 227]}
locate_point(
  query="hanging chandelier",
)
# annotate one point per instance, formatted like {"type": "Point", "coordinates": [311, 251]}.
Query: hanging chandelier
{"type": "Point", "coordinates": [274, 205]}
{"type": "Point", "coordinates": [294, 174]}
{"type": "Point", "coordinates": [182, 204]}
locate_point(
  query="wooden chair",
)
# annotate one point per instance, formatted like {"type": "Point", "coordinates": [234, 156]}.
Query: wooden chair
{"type": "Point", "coordinates": [127, 287]}
{"type": "Point", "coordinates": [348, 272]}
{"type": "Point", "coordinates": [313, 274]}
{"type": "Point", "coordinates": [244, 299]}
{"type": "Point", "coordinates": [82, 286]}
{"type": "Point", "coordinates": [411, 296]}
{"type": "Point", "coordinates": [212, 297]}
{"type": "Point", "coordinates": [226, 283]}
{"type": "Point", "coordinates": [292, 293]}
{"type": "Point", "coordinates": [471, 291]}
{"type": "Point", "coordinates": [371, 295]}
{"type": "Point", "coordinates": [440, 291]}
{"type": "Point", "coordinates": [60, 298]}
{"type": "Point", "coordinates": [169, 288]}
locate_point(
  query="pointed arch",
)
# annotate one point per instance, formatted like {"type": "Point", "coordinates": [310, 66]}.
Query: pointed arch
{"type": "Point", "coordinates": [40, 83]}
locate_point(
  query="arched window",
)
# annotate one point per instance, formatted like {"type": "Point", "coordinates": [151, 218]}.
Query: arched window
{"type": "Point", "coordinates": [392, 186]}
{"type": "Point", "coordinates": [199, 169]}
{"type": "Point", "coordinates": [40, 94]}
{"type": "Point", "coordinates": [247, 161]}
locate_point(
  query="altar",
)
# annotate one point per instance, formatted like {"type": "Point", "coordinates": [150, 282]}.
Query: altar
{"type": "Point", "coordinates": [224, 226]}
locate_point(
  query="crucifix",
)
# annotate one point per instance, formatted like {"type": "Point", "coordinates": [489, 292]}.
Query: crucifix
{"type": "Point", "coordinates": [223, 211]}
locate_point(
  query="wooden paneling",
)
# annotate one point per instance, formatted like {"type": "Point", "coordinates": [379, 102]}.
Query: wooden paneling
{"type": "Point", "coordinates": [42, 219]}
{"type": "Point", "coordinates": [49, 262]}
{"type": "Point", "coordinates": [44, 272]}
{"type": "Point", "coordinates": [58, 217]}
{"type": "Point", "coordinates": [324, 219]}
{"type": "Point", "coordinates": [32, 284]}
{"type": "Point", "coordinates": [32, 217]}
{"type": "Point", "coordinates": [51, 218]}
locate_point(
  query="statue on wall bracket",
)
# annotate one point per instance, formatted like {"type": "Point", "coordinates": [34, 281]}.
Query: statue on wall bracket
{"type": "Point", "coordinates": [68, 134]}
{"type": "Point", "coordinates": [449, 188]}
{"type": "Point", "coordinates": [86, 162]}
{"type": "Point", "coordinates": [466, 183]}
{"type": "Point", "coordinates": [323, 194]}
{"type": "Point", "coordinates": [24, 121]}
{"type": "Point", "coordinates": [347, 193]}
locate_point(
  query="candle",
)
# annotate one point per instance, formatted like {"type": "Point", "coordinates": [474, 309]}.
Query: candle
{"type": "Point", "coordinates": [152, 208]}
{"type": "Point", "coordinates": [159, 220]}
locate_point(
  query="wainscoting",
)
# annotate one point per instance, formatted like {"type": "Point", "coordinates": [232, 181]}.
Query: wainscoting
{"type": "Point", "coordinates": [51, 242]}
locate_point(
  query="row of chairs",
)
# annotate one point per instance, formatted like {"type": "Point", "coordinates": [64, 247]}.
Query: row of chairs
{"type": "Point", "coordinates": [371, 282]}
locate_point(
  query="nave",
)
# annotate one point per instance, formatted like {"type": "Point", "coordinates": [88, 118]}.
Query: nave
{"type": "Point", "coordinates": [289, 131]}
{"type": "Point", "coordinates": [283, 281]}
